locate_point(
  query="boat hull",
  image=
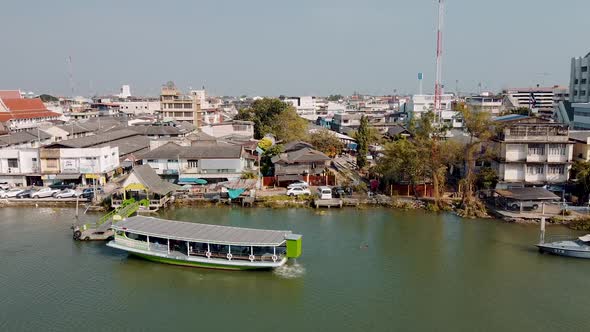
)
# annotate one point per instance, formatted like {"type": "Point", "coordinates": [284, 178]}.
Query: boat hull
{"type": "Point", "coordinates": [568, 252]}
{"type": "Point", "coordinates": [201, 262]}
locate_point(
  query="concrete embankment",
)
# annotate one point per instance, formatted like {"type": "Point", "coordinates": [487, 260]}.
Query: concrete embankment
{"type": "Point", "coordinates": [42, 202]}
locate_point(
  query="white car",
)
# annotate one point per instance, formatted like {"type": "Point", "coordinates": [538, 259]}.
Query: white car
{"type": "Point", "coordinates": [296, 191]}
{"type": "Point", "coordinates": [11, 193]}
{"type": "Point", "coordinates": [45, 192]}
{"type": "Point", "coordinates": [298, 184]}
{"type": "Point", "coordinates": [68, 193]}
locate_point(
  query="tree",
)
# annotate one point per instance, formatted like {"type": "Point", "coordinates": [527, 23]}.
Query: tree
{"type": "Point", "coordinates": [266, 165]}
{"type": "Point", "coordinates": [480, 129]}
{"type": "Point", "coordinates": [335, 97]}
{"type": "Point", "coordinates": [402, 160]}
{"type": "Point", "coordinates": [48, 98]}
{"type": "Point", "coordinates": [581, 172]}
{"type": "Point", "coordinates": [362, 138]}
{"type": "Point", "coordinates": [272, 116]}
{"type": "Point", "coordinates": [487, 178]}
{"type": "Point", "coordinates": [324, 140]}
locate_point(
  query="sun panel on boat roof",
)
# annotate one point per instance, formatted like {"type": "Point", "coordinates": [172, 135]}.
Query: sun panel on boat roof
{"type": "Point", "coordinates": [188, 231]}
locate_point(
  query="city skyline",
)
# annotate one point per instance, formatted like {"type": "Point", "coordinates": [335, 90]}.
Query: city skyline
{"type": "Point", "coordinates": [302, 48]}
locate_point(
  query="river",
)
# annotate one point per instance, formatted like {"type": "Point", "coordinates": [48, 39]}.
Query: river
{"type": "Point", "coordinates": [361, 270]}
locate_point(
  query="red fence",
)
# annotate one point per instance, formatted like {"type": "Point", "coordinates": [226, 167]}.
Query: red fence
{"type": "Point", "coordinates": [313, 180]}
{"type": "Point", "coordinates": [407, 190]}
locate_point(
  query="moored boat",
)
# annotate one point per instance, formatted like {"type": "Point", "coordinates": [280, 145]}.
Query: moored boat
{"type": "Point", "coordinates": [579, 247]}
{"type": "Point", "coordinates": [203, 245]}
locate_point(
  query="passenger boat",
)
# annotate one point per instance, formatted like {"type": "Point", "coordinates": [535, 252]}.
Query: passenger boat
{"type": "Point", "coordinates": [203, 245]}
{"type": "Point", "coordinates": [579, 247]}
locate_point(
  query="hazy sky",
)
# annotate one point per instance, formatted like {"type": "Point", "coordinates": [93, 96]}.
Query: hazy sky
{"type": "Point", "coordinates": [303, 47]}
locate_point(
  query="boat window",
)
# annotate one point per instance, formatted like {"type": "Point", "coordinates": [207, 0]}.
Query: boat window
{"type": "Point", "coordinates": [158, 240]}
{"type": "Point", "coordinates": [261, 251]}
{"type": "Point", "coordinates": [240, 250]}
{"type": "Point", "coordinates": [136, 237]}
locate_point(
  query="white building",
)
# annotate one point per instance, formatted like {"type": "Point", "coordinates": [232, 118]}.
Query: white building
{"type": "Point", "coordinates": [125, 92]}
{"type": "Point", "coordinates": [305, 106]}
{"type": "Point", "coordinates": [486, 102]}
{"type": "Point", "coordinates": [76, 163]}
{"type": "Point", "coordinates": [136, 107]}
{"type": "Point", "coordinates": [534, 153]}
{"type": "Point", "coordinates": [19, 167]}
{"type": "Point", "coordinates": [420, 104]}
{"type": "Point", "coordinates": [540, 99]}
{"type": "Point", "coordinates": [232, 128]}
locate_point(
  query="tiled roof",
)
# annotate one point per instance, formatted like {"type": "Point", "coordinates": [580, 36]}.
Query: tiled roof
{"type": "Point", "coordinates": [20, 104]}
{"type": "Point", "coordinates": [94, 140]}
{"type": "Point", "coordinates": [10, 94]}
{"type": "Point", "coordinates": [209, 151]}
{"type": "Point", "coordinates": [305, 155]}
{"type": "Point", "coordinates": [22, 137]}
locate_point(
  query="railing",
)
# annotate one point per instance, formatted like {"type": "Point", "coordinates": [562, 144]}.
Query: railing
{"type": "Point", "coordinates": [267, 257]}
{"type": "Point", "coordinates": [131, 243]}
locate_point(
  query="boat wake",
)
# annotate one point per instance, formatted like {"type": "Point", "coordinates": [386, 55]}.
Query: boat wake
{"type": "Point", "coordinates": [290, 271]}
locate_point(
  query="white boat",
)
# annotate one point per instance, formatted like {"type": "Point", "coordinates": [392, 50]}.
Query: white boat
{"type": "Point", "coordinates": [579, 247]}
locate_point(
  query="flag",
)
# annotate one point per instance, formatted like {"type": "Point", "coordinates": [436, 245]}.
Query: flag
{"type": "Point", "coordinates": [532, 101]}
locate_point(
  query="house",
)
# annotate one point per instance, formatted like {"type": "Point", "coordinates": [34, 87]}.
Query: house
{"type": "Point", "coordinates": [533, 151]}
{"type": "Point", "coordinates": [397, 132]}
{"type": "Point", "coordinates": [298, 162]}
{"type": "Point", "coordinates": [214, 162]}
{"type": "Point", "coordinates": [230, 128]}
{"type": "Point", "coordinates": [24, 139]}
{"type": "Point", "coordinates": [92, 157]}
{"type": "Point", "coordinates": [581, 140]}
{"type": "Point", "coordinates": [21, 114]}
{"type": "Point", "coordinates": [144, 184]}
{"type": "Point", "coordinates": [20, 167]}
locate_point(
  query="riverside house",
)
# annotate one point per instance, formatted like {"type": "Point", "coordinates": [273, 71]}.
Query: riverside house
{"type": "Point", "coordinates": [214, 162]}
{"type": "Point", "coordinates": [532, 151]}
{"type": "Point", "coordinates": [298, 162]}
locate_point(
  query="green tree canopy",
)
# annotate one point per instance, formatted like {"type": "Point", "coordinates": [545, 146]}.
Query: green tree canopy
{"type": "Point", "coordinates": [362, 138]}
{"type": "Point", "coordinates": [272, 116]}
{"type": "Point", "coordinates": [324, 140]}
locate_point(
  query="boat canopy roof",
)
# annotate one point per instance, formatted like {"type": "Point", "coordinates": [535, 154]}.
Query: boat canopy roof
{"type": "Point", "coordinates": [203, 233]}
{"type": "Point", "coordinates": [585, 238]}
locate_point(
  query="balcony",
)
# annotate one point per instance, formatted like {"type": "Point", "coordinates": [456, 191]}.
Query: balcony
{"type": "Point", "coordinates": [536, 158]}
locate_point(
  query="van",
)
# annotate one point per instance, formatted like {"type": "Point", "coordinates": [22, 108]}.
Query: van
{"type": "Point", "coordinates": [324, 193]}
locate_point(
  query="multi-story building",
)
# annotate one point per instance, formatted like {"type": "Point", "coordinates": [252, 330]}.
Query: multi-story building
{"type": "Point", "coordinates": [178, 107]}
{"type": "Point", "coordinates": [20, 167]}
{"type": "Point", "coordinates": [532, 151]}
{"type": "Point", "coordinates": [21, 113]}
{"type": "Point", "coordinates": [486, 102]}
{"type": "Point", "coordinates": [540, 99]}
{"type": "Point", "coordinates": [137, 107]}
{"type": "Point", "coordinates": [580, 80]}
{"type": "Point", "coordinates": [420, 104]}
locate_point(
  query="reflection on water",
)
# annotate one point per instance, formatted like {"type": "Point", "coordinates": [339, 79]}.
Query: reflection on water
{"type": "Point", "coordinates": [361, 270]}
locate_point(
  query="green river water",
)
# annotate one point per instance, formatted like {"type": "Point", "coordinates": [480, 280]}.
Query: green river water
{"type": "Point", "coordinates": [361, 270]}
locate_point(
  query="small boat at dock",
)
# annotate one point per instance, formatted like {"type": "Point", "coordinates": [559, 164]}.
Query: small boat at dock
{"type": "Point", "coordinates": [204, 245]}
{"type": "Point", "coordinates": [564, 245]}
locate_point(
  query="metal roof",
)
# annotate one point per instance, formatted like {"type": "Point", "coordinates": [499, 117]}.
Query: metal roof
{"type": "Point", "coordinates": [204, 233]}
{"type": "Point", "coordinates": [528, 194]}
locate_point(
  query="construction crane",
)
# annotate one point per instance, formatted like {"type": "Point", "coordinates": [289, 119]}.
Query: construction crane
{"type": "Point", "coordinates": [439, 52]}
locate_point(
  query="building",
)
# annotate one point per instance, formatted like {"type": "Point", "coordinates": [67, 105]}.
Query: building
{"type": "Point", "coordinates": [24, 140]}
{"type": "Point", "coordinates": [298, 162]}
{"type": "Point", "coordinates": [305, 106]}
{"type": "Point", "coordinates": [178, 107]}
{"type": "Point", "coordinates": [93, 157]}
{"type": "Point", "coordinates": [421, 104]}
{"type": "Point", "coordinates": [20, 167]}
{"type": "Point", "coordinates": [143, 184]}
{"type": "Point", "coordinates": [138, 107]}
{"type": "Point", "coordinates": [230, 129]}
{"type": "Point", "coordinates": [486, 102]}
{"type": "Point", "coordinates": [579, 88]}
{"type": "Point", "coordinates": [533, 151]}
{"type": "Point", "coordinates": [213, 162]}
{"type": "Point", "coordinates": [540, 99]}
{"type": "Point", "coordinates": [125, 92]}
{"type": "Point", "coordinates": [581, 140]}
{"type": "Point", "coordinates": [19, 114]}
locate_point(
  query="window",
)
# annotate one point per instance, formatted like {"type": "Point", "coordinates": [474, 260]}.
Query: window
{"type": "Point", "coordinates": [584, 81]}
{"type": "Point", "coordinates": [193, 164]}
{"type": "Point", "coordinates": [12, 163]}
{"type": "Point", "coordinates": [582, 92]}
{"type": "Point", "coordinates": [152, 161]}
{"type": "Point", "coordinates": [535, 169]}
{"type": "Point", "coordinates": [556, 169]}
{"type": "Point", "coordinates": [575, 92]}
{"type": "Point", "coordinates": [584, 69]}
{"type": "Point", "coordinates": [51, 163]}
{"type": "Point", "coordinates": [576, 81]}
{"type": "Point", "coordinates": [172, 160]}
{"type": "Point", "coordinates": [557, 149]}
{"type": "Point", "coordinates": [536, 149]}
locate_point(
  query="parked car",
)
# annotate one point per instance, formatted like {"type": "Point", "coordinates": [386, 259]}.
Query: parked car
{"type": "Point", "coordinates": [4, 186]}
{"type": "Point", "coordinates": [525, 205]}
{"type": "Point", "coordinates": [298, 183]}
{"type": "Point", "coordinates": [45, 192]}
{"type": "Point", "coordinates": [341, 192]}
{"type": "Point", "coordinates": [87, 193]}
{"type": "Point", "coordinates": [296, 191]}
{"type": "Point", "coordinates": [324, 193]}
{"type": "Point", "coordinates": [68, 193]}
{"type": "Point", "coordinates": [25, 193]}
{"type": "Point", "coordinates": [12, 193]}
{"type": "Point", "coordinates": [61, 186]}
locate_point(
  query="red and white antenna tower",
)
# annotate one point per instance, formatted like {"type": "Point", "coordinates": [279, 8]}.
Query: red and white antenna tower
{"type": "Point", "coordinates": [439, 53]}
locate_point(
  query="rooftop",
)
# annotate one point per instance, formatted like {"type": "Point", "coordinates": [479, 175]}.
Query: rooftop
{"type": "Point", "coordinates": [150, 179]}
{"type": "Point", "coordinates": [214, 234]}
{"type": "Point", "coordinates": [207, 151]}
{"type": "Point", "coordinates": [94, 140]}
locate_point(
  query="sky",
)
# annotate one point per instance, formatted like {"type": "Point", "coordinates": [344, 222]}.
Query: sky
{"type": "Point", "coordinates": [274, 47]}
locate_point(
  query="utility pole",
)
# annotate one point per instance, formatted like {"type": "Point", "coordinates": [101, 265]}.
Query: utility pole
{"type": "Point", "coordinates": [70, 73]}
{"type": "Point", "coordinates": [439, 53]}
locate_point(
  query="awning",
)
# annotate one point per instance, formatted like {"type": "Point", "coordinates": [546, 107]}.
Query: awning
{"type": "Point", "coordinates": [528, 194]}
{"type": "Point", "coordinates": [68, 176]}
{"type": "Point", "coordinates": [191, 181]}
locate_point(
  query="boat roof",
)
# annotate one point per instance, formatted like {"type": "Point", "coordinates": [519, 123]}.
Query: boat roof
{"type": "Point", "coordinates": [204, 233]}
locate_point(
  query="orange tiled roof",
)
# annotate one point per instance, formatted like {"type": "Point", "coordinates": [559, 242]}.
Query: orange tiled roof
{"type": "Point", "coordinates": [15, 105]}
{"type": "Point", "coordinates": [10, 94]}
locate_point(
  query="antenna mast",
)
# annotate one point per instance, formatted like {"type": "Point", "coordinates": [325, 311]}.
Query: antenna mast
{"type": "Point", "coordinates": [70, 74]}
{"type": "Point", "coordinates": [439, 53]}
